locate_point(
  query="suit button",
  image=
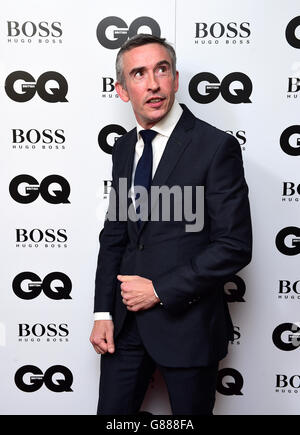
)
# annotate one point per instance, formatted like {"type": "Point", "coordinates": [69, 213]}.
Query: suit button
{"type": "Point", "coordinates": [140, 247]}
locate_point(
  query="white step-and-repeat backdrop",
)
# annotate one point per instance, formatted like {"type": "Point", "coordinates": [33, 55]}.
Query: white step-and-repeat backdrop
{"type": "Point", "coordinates": [239, 65]}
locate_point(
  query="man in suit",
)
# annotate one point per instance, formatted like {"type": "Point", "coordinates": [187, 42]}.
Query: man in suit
{"type": "Point", "coordinates": [159, 296]}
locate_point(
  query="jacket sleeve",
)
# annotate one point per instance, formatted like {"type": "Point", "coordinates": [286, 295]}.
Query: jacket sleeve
{"type": "Point", "coordinates": [113, 239]}
{"type": "Point", "coordinates": [230, 246]}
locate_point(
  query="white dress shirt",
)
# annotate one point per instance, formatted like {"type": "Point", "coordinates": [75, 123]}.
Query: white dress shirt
{"type": "Point", "coordinates": [164, 128]}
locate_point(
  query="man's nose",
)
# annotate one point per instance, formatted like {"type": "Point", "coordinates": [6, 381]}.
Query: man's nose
{"type": "Point", "coordinates": [153, 83]}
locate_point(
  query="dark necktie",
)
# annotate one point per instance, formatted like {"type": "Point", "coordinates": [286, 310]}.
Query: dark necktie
{"type": "Point", "coordinates": [143, 172]}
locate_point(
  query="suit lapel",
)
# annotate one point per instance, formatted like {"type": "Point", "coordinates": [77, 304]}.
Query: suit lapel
{"type": "Point", "coordinates": [177, 143]}
{"type": "Point", "coordinates": [130, 156]}
{"type": "Point", "coordinates": [131, 140]}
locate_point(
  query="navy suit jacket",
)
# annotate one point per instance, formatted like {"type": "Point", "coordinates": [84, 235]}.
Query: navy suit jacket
{"type": "Point", "coordinates": [192, 327]}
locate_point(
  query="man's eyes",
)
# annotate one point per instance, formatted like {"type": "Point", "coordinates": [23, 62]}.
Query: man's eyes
{"type": "Point", "coordinates": [163, 70]}
{"type": "Point", "coordinates": [160, 70]}
{"type": "Point", "coordinates": [138, 74]}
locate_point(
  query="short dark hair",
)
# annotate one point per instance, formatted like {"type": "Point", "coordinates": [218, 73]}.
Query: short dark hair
{"type": "Point", "coordinates": [138, 41]}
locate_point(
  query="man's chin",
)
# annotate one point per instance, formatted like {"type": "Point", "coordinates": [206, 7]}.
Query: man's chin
{"type": "Point", "coordinates": [153, 116]}
{"type": "Point", "coordinates": [157, 115]}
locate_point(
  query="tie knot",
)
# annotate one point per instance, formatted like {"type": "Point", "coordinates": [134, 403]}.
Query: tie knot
{"type": "Point", "coordinates": [148, 135]}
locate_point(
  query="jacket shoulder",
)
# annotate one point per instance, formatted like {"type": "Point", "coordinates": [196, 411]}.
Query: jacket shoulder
{"type": "Point", "coordinates": [206, 131]}
{"type": "Point", "coordinates": [213, 133]}
{"type": "Point", "coordinates": [125, 140]}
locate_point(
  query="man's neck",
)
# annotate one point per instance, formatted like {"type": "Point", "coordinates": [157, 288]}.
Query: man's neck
{"type": "Point", "coordinates": [173, 114]}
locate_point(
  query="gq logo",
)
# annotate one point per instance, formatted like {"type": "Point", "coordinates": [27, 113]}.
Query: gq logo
{"type": "Point", "coordinates": [234, 289]}
{"type": "Point", "coordinates": [287, 336]}
{"type": "Point", "coordinates": [211, 91]}
{"type": "Point", "coordinates": [112, 38]}
{"type": "Point", "coordinates": [34, 189]}
{"type": "Point", "coordinates": [29, 86]}
{"type": "Point", "coordinates": [290, 32]}
{"type": "Point", "coordinates": [55, 285]}
{"type": "Point", "coordinates": [115, 129]}
{"type": "Point", "coordinates": [292, 150]}
{"type": "Point", "coordinates": [293, 248]}
{"type": "Point", "coordinates": [230, 382]}
{"type": "Point", "coordinates": [30, 378]}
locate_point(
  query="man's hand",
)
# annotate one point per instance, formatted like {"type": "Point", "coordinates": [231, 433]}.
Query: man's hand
{"type": "Point", "coordinates": [137, 292]}
{"type": "Point", "coordinates": [102, 336]}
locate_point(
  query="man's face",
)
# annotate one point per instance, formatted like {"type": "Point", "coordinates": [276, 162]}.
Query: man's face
{"type": "Point", "coordinates": [150, 83]}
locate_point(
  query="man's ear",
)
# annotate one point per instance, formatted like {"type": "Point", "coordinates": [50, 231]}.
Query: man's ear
{"type": "Point", "coordinates": [176, 81]}
{"type": "Point", "coordinates": [123, 94]}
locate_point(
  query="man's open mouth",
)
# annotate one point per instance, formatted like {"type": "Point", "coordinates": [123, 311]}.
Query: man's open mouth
{"type": "Point", "coordinates": [156, 100]}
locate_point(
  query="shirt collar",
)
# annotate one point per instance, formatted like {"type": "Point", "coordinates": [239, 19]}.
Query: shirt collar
{"type": "Point", "coordinates": [166, 125]}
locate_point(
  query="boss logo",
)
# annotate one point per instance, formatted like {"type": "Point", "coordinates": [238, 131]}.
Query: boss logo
{"type": "Point", "coordinates": [289, 188]}
{"type": "Point", "coordinates": [230, 382]}
{"type": "Point", "coordinates": [39, 330]}
{"type": "Point", "coordinates": [210, 92]}
{"type": "Point", "coordinates": [215, 32]}
{"type": "Point", "coordinates": [28, 87]}
{"type": "Point", "coordinates": [112, 32]}
{"type": "Point", "coordinates": [288, 289]}
{"type": "Point", "coordinates": [294, 148]}
{"type": "Point", "coordinates": [33, 189]}
{"type": "Point", "coordinates": [29, 29]}
{"type": "Point", "coordinates": [57, 378]}
{"type": "Point", "coordinates": [108, 88]}
{"type": "Point", "coordinates": [293, 87]}
{"type": "Point", "coordinates": [112, 130]}
{"type": "Point", "coordinates": [34, 136]}
{"type": "Point", "coordinates": [240, 135]}
{"type": "Point", "coordinates": [36, 235]}
{"type": "Point", "coordinates": [288, 241]}
{"type": "Point", "coordinates": [55, 285]}
{"type": "Point", "coordinates": [289, 382]}
{"type": "Point", "coordinates": [108, 84]}
{"type": "Point", "coordinates": [286, 336]}
{"type": "Point", "coordinates": [290, 192]}
{"type": "Point", "coordinates": [292, 32]}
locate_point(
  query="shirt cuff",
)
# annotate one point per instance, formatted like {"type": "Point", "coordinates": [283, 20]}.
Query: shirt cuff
{"type": "Point", "coordinates": [157, 295]}
{"type": "Point", "coordinates": [102, 316]}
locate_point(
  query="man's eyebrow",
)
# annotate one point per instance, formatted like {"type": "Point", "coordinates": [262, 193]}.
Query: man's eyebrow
{"type": "Point", "coordinates": [142, 68]}
{"type": "Point", "coordinates": [134, 70]}
{"type": "Point", "coordinates": [162, 62]}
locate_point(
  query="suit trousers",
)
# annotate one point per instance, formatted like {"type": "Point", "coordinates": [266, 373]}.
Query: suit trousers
{"type": "Point", "coordinates": [125, 376]}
